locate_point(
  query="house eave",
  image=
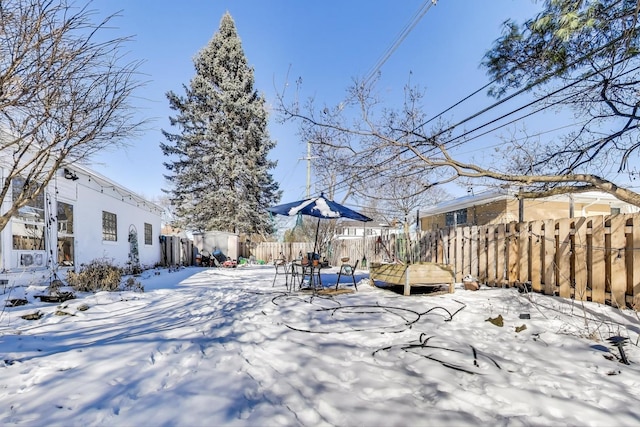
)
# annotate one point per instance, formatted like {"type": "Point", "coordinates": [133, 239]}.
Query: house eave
{"type": "Point", "coordinates": [493, 196]}
{"type": "Point", "coordinates": [466, 201]}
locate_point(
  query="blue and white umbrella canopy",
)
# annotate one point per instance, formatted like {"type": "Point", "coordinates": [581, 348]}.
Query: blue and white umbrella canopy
{"type": "Point", "coordinates": [318, 207]}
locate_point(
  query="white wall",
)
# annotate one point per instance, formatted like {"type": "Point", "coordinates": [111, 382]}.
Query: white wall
{"type": "Point", "coordinates": [355, 231]}
{"type": "Point", "coordinates": [228, 243]}
{"type": "Point", "coordinates": [88, 227]}
{"type": "Point", "coordinates": [91, 194]}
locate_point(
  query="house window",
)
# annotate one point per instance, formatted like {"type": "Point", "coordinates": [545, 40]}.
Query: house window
{"type": "Point", "coordinates": [615, 211]}
{"type": "Point", "coordinates": [458, 217]}
{"type": "Point", "coordinates": [27, 225]}
{"type": "Point", "coordinates": [148, 234]}
{"type": "Point", "coordinates": [109, 226]}
{"type": "Point", "coordinates": [65, 234]}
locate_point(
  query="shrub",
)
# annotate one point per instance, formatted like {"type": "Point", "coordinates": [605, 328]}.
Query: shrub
{"type": "Point", "coordinates": [98, 275]}
{"type": "Point", "coordinates": [133, 269]}
{"type": "Point", "coordinates": [133, 285]}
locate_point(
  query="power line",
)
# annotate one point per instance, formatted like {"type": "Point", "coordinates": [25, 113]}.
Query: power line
{"type": "Point", "coordinates": [426, 5]}
{"type": "Point", "coordinates": [424, 8]}
{"type": "Point", "coordinates": [528, 87]}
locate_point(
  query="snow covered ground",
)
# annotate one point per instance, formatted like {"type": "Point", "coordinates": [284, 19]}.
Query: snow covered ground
{"type": "Point", "coordinates": [224, 347]}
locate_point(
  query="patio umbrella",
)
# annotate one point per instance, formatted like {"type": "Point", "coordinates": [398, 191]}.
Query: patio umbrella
{"type": "Point", "coordinates": [318, 207]}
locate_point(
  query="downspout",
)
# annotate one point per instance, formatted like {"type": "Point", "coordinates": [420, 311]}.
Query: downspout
{"type": "Point", "coordinates": [520, 206]}
{"type": "Point", "coordinates": [584, 208]}
{"type": "Point", "coordinates": [520, 210]}
{"type": "Point", "coordinates": [571, 207]}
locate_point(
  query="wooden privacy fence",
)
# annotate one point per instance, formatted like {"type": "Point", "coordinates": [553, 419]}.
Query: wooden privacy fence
{"type": "Point", "coordinates": [370, 249]}
{"type": "Point", "coordinates": [593, 258]}
{"type": "Point", "coordinates": [590, 259]}
{"type": "Point", "coordinates": [269, 251]}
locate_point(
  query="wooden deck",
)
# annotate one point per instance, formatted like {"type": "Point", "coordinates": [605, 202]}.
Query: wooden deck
{"type": "Point", "coordinates": [420, 274]}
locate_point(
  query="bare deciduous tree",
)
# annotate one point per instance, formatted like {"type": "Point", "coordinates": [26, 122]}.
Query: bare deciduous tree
{"type": "Point", "coordinates": [64, 92]}
{"type": "Point", "coordinates": [580, 56]}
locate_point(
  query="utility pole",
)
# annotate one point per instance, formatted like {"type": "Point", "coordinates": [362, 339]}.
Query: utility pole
{"type": "Point", "coordinates": [308, 169]}
{"type": "Point", "coordinates": [308, 159]}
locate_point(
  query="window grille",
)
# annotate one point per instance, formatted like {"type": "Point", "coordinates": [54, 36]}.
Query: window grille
{"type": "Point", "coordinates": [109, 226]}
{"type": "Point", "coordinates": [148, 234]}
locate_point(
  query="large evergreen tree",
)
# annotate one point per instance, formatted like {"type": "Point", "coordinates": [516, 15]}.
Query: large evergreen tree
{"type": "Point", "coordinates": [218, 166]}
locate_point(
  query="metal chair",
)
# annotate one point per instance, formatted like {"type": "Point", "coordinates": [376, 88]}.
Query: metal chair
{"type": "Point", "coordinates": [348, 270]}
{"type": "Point", "coordinates": [282, 268]}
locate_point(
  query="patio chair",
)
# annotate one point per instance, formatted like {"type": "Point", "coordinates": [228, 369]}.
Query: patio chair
{"type": "Point", "coordinates": [348, 270]}
{"type": "Point", "coordinates": [282, 268]}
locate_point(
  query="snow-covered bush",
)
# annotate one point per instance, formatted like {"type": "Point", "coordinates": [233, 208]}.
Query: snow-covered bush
{"type": "Point", "coordinates": [98, 275]}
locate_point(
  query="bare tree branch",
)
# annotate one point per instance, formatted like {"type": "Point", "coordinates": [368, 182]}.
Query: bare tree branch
{"type": "Point", "coordinates": [64, 92]}
{"type": "Point", "coordinates": [580, 56]}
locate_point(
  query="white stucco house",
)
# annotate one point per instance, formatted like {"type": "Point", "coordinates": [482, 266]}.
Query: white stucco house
{"type": "Point", "coordinates": [351, 229]}
{"type": "Point", "coordinates": [81, 216]}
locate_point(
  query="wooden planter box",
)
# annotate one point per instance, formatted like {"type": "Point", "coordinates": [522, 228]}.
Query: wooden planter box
{"type": "Point", "coordinates": [420, 274]}
{"type": "Point", "coordinates": [59, 297]}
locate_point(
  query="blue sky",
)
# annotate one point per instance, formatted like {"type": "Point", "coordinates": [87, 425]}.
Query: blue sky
{"type": "Point", "coordinates": [325, 43]}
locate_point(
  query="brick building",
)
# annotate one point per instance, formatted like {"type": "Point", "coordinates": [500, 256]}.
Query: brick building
{"type": "Point", "coordinates": [495, 207]}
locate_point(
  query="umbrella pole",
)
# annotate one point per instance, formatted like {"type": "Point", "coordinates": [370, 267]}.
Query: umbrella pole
{"type": "Point", "coordinates": [313, 255]}
{"type": "Point", "coordinates": [315, 244]}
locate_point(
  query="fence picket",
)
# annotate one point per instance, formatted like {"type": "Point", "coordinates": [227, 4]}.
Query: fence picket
{"type": "Point", "coordinates": [524, 240]}
{"type": "Point", "coordinates": [634, 278]}
{"type": "Point", "coordinates": [466, 251]}
{"type": "Point", "coordinates": [580, 263]}
{"type": "Point", "coordinates": [549, 261]}
{"type": "Point", "coordinates": [564, 257]}
{"type": "Point", "coordinates": [491, 256]}
{"type": "Point", "coordinates": [483, 245]}
{"type": "Point", "coordinates": [536, 255]}
{"type": "Point", "coordinates": [513, 260]}
{"type": "Point", "coordinates": [501, 254]}
{"type": "Point", "coordinates": [598, 271]}
{"type": "Point", "coordinates": [617, 276]}
{"type": "Point", "coordinates": [473, 245]}
{"type": "Point", "coordinates": [595, 258]}
{"type": "Point", "coordinates": [459, 254]}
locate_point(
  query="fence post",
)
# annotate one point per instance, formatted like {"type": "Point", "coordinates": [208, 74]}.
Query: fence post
{"type": "Point", "coordinates": [407, 283]}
